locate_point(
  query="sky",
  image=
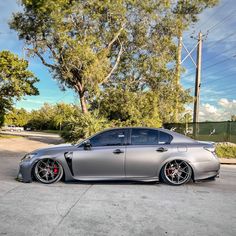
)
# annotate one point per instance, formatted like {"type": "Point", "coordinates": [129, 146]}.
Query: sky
{"type": "Point", "coordinates": [218, 82]}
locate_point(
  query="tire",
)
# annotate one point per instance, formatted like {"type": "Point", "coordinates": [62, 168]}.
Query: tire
{"type": "Point", "coordinates": [48, 171]}
{"type": "Point", "coordinates": [176, 172]}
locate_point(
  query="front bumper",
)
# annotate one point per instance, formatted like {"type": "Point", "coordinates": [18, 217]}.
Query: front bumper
{"type": "Point", "coordinates": [25, 172]}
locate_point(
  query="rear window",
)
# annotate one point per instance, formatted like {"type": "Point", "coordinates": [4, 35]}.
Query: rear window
{"type": "Point", "coordinates": [144, 137]}
{"type": "Point", "coordinates": [149, 137]}
{"type": "Point", "coordinates": [164, 138]}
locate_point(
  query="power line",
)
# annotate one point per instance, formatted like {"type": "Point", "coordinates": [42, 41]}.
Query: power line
{"type": "Point", "coordinates": [220, 22]}
{"type": "Point", "coordinates": [220, 40]}
{"type": "Point", "coordinates": [210, 17]}
{"type": "Point", "coordinates": [214, 13]}
{"type": "Point", "coordinates": [219, 62]}
{"type": "Point", "coordinates": [220, 73]}
{"type": "Point", "coordinates": [210, 66]}
{"type": "Point", "coordinates": [218, 79]}
{"type": "Point", "coordinates": [231, 88]}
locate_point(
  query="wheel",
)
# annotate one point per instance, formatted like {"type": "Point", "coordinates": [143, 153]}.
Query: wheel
{"type": "Point", "coordinates": [48, 171]}
{"type": "Point", "coordinates": [176, 172]}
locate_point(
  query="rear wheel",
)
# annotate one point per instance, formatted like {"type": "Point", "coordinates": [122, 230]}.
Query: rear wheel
{"type": "Point", "coordinates": [176, 172]}
{"type": "Point", "coordinates": [48, 171]}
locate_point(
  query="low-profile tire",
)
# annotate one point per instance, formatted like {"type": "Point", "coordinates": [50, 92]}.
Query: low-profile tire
{"type": "Point", "coordinates": [176, 172]}
{"type": "Point", "coordinates": [48, 171]}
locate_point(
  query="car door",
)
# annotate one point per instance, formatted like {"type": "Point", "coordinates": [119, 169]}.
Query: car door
{"type": "Point", "coordinates": [104, 159]}
{"type": "Point", "coordinates": [147, 150]}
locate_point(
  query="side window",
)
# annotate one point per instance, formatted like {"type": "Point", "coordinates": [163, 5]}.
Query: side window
{"type": "Point", "coordinates": [164, 138]}
{"type": "Point", "coordinates": [144, 137]}
{"type": "Point", "coordinates": [109, 138]}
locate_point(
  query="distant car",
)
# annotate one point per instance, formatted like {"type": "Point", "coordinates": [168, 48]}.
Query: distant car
{"type": "Point", "coordinates": [12, 128]}
{"type": "Point", "coordinates": [142, 154]}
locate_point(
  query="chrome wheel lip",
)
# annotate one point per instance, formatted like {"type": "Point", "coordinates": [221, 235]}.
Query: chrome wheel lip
{"type": "Point", "coordinates": [179, 172]}
{"type": "Point", "coordinates": [47, 171]}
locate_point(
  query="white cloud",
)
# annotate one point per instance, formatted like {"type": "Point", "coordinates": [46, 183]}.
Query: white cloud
{"type": "Point", "coordinates": [223, 111]}
{"type": "Point", "coordinates": [228, 104]}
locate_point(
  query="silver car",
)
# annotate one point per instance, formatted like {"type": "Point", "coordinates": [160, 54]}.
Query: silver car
{"type": "Point", "coordinates": [140, 154]}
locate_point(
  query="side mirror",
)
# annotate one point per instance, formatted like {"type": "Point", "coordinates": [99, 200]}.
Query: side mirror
{"type": "Point", "coordinates": [87, 145]}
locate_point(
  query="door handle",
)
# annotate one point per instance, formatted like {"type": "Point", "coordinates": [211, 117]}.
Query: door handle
{"type": "Point", "coordinates": [162, 149]}
{"type": "Point", "coordinates": [117, 151]}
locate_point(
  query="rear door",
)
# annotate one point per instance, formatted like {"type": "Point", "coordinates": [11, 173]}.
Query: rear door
{"type": "Point", "coordinates": [147, 149]}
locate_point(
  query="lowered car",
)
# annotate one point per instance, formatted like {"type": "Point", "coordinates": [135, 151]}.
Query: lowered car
{"type": "Point", "coordinates": [140, 154]}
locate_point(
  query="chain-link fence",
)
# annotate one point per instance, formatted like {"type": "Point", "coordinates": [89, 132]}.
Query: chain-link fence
{"type": "Point", "coordinates": [224, 131]}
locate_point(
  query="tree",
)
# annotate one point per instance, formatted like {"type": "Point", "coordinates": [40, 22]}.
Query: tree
{"type": "Point", "coordinates": [16, 80]}
{"type": "Point", "coordinates": [79, 41]}
{"type": "Point", "coordinates": [62, 113]}
{"type": "Point", "coordinates": [88, 43]}
{"type": "Point", "coordinates": [95, 45]}
{"type": "Point", "coordinates": [17, 117]}
{"type": "Point", "coordinates": [233, 118]}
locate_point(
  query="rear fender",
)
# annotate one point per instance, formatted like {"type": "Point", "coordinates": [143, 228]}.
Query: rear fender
{"type": "Point", "coordinates": [182, 157]}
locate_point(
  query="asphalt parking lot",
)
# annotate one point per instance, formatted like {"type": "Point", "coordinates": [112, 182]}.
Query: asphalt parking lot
{"type": "Point", "coordinates": [111, 208]}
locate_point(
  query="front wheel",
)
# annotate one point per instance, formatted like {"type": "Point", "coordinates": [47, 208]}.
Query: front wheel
{"type": "Point", "coordinates": [48, 171]}
{"type": "Point", "coordinates": [176, 172]}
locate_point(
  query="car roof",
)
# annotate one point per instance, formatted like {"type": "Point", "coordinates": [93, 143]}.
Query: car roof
{"type": "Point", "coordinates": [177, 137]}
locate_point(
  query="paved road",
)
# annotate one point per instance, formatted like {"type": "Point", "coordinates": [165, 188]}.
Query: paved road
{"type": "Point", "coordinates": [76, 208]}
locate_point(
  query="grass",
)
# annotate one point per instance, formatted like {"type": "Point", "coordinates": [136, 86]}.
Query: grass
{"type": "Point", "coordinates": [226, 150]}
{"type": "Point", "coordinates": [6, 136]}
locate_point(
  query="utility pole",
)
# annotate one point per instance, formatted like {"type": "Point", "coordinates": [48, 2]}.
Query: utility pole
{"type": "Point", "coordinates": [198, 80]}
{"type": "Point", "coordinates": [177, 78]}
{"type": "Point", "coordinates": [197, 86]}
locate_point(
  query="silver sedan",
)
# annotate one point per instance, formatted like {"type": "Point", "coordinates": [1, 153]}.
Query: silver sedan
{"type": "Point", "coordinates": [140, 154]}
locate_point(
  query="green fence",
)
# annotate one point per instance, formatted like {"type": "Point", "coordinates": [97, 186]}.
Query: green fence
{"type": "Point", "coordinates": [224, 131]}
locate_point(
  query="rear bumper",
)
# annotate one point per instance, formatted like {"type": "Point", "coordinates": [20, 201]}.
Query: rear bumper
{"type": "Point", "coordinates": [206, 170]}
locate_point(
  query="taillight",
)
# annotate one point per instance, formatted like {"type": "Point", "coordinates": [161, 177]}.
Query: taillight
{"type": "Point", "coordinates": [210, 148]}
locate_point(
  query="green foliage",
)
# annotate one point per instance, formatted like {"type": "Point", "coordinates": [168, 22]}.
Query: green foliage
{"type": "Point", "coordinates": [226, 150]}
{"type": "Point", "coordinates": [83, 125]}
{"type": "Point", "coordinates": [16, 81]}
{"type": "Point", "coordinates": [126, 108]}
{"type": "Point", "coordinates": [17, 117]}
{"type": "Point", "coordinates": [88, 43]}
{"type": "Point", "coordinates": [51, 116]}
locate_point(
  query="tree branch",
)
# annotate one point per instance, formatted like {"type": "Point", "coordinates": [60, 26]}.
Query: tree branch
{"type": "Point", "coordinates": [43, 60]}
{"type": "Point", "coordinates": [52, 51]}
{"type": "Point", "coordinates": [116, 36]}
{"type": "Point", "coordinates": [116, 63]}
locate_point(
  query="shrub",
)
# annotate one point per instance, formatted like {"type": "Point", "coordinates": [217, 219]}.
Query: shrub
{"type": "Point", "coordinates": [226, 150]}
{"type": "Point", "coordinates": [82, 126]}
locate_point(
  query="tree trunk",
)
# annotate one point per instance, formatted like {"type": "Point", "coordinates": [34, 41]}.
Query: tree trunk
{"type": "Point", "coordinates": [79, 88]}
{"type": "Point", "coordinates": [83, 103]}
{"type": "Point", "coordinates": [177, 76]}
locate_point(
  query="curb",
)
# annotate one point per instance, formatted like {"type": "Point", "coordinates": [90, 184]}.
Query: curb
{"type": "Point", "coordinates": [226, 161]}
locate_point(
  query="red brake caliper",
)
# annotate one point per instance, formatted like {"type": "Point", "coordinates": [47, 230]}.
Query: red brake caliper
{"type": "Point", "coordinates": [55, 169]}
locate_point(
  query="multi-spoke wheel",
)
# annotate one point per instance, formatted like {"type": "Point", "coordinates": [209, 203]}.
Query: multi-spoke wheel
{"type": "Point", "coordinates": [48, 171]}
{"type": "Point", "coordinates": [176, 172]}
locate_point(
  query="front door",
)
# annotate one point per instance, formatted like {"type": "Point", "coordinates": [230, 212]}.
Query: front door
{"type": "Point", "coordinates": [105, 158]}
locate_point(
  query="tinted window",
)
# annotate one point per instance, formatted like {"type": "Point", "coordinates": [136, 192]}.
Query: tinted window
{"type": "Point", "coordinates": [144, 137]}
{"type": "Point", "coordinates": [164, 138]}
{"type": "Point", "coordinates": [109, 138]}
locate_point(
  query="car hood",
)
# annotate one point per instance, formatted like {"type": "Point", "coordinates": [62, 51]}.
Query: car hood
{"type": "Point", "coordinates": [55, 149]}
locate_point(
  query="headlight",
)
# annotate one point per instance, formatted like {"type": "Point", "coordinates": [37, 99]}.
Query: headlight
{"type": "Point", "coordinates": [28, 156]}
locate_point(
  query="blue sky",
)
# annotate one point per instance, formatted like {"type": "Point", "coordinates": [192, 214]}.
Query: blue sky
{"type": "Point", "coordinates": [218, 87]}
